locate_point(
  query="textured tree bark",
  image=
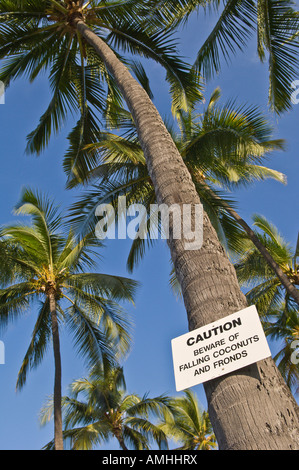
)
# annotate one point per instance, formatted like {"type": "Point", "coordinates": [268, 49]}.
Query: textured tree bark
{"type": "Point", "coordinates": [251, 408]}
{"type": "Point", "coordinates": [58, 435]}
{"type": "Point", "coordinates": [120, 438]}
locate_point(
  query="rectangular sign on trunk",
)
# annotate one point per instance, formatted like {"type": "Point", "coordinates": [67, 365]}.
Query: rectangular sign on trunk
{"type": "Point", "coordinates": [219, 348]}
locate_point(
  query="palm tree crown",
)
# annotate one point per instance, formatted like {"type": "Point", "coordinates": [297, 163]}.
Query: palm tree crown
{"type": "Point", "coordinates": [44, 265]}
{"type": "Point", "coordinates": [99, 408]}
{"type": "Point", "coordinates": [189, 425]}
{"type": "Point", "coordinates": [265, 289]}
{"type": "Point", "coordinates": [41, 260]}
{"type": "Point", "coordinates": [282, 325]}
{"type": "Point", "coordinates": [37, 36]}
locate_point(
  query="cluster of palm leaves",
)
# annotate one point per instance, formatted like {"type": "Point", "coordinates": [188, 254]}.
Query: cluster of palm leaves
{"type": "Point", "coordinates": [99, 408]}
{"type": "Point", "coordinates": [224, 146]}
{"type": "Point", "coordinates": [278, 310]}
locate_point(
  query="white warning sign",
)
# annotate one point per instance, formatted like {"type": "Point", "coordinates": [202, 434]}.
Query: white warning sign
{"type": "Point", "coordinates": [219, 348]}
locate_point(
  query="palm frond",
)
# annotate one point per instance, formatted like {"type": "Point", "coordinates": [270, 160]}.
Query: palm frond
{"type": "Point", "coordinates": [148, 430]}
{"type": "Point", "coordinates": [38, 344]}
{"type": "Point", "coordinates": [110, 318]}
{"type": "Point", "coordinates": [113, 287]}
{"type": "Point", "coordinates": [270, 230]}
{"type": "Point", "coordinates": [139, 71]}
{"type": "Point", "coordinates": [63, 97]}
{"type": "Point", "coordinates": [14, 300]}
{"type": "Point", "coordinates": [91, 343]}
{"type": "Point", "coordinates": [277, 26]}
{"type": "Point", "coordinates": [185, 84]}
{"type": "Point", "coordinates": [78, 254]}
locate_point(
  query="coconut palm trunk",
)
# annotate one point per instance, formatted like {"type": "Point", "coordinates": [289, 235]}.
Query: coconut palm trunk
{"type": "Point", "coordinates": [58, 436]}
{"type": "Point", "coordinates": [251, 408]}
{"type": "Point", "coordinates": [120, 439]}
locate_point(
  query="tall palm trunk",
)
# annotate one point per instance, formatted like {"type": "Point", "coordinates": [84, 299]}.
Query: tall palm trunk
{"type": "Point", "coordinates": [120, 438]}
{"type": "Point", "coordinates": [58, 436]}
{"type": "Point", "coordinates": [251, 408]}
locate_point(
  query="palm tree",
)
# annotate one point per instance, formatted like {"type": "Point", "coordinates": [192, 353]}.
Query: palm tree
{"type": "Point", "coordinates": [223, 147]}
{"type": "Point", "coordinates": [265, 289]}
{"type": "Point", "coordinates": [99, 409]}
{"type": "Point", "coordinates": [188, 424]}
{"type": "Point", "coordinates": [39, 35]}
{"type": "Point", "coordinates": [278, 311]}
{"type": "Point", "coordinates": [48, 267]}
{"type": "Point", "coordinates": [275, 23]}
{"type": "Point", "coordinates": [36, 36]}
{"type": "Point", "coordinates": [282, 325]}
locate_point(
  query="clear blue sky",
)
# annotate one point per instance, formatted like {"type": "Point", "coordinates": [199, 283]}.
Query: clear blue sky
{"type": "Point", "coordinates": [158, 316]}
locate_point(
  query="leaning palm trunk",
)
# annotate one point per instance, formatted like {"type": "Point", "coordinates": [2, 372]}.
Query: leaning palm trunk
{"type": "Point", "coordinates": [289, 287]}
{"type": "Point", "coordinates": [251, 408]}
{"type": "Point", "coordinates": [58, 435]}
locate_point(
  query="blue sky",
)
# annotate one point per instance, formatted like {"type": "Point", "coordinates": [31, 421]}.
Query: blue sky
{"type": "Point", "coordinates": [158, 316]}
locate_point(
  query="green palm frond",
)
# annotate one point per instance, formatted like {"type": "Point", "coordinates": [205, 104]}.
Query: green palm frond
{"type": "Point", "coordinates": [19, 39]}
{"type": "Point", "coordinates": [282, 326]}
{"type": "Point", "coordinates": [171, 13]}
{"type": "Point", "coordinates": [265, 289]}
{"type": "Point", "coordinates": [91, 343]}
{"type": "Point", "coordinates": [135, 439]}
{"type": "Point", "coordinates": [110, 318]}
{"type": "Point", "coordinates": [231, 33]}
{"type": "Point", "coordinates": [113, 287]}
{"type": "Point", "coordinates": [277, 26]}
{"type": "Point", "coordinates": [92, 97]}
{"type": "Point", "coordinates": [150, 432]}
{"type": "Point", "coordinates": [44, 213]}
{"type": "Point", "coordinates": [32, 61]}
{"type": "Point", "coordinates": [185, 84]}
{"type": "Point", "coordinates": [287, 367]}
{"type": "Point", "coordinates": [188, 424]}
{"type": "Point", "coordinates": [34, 245]}
{"type": "Point", "coordinates": [78, 254]}
{"type": "Point", "coordinates": [63, 98]}
{"type": "Point", "coordinates": [40, 258]}
{"type": "Point", "coordinates": [270, 230]}
{"type": "Point", "coordinates": [38, 345]}
{"type": "Point", "coordinates": [14, 301]}
{"type": "Point", "coordinates": [99, 408]}
{"type": "Point", "coordinates": [9, 8]}
{"type": "Point", "coordinates": [146, 406]}
{"type": "Point", "coordinates": [139, 71]}
{"type": "Point", "coordinates": [237, 139]}
{"type": "Point", "coordinates": [35, 38]}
